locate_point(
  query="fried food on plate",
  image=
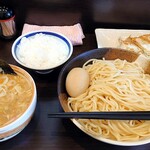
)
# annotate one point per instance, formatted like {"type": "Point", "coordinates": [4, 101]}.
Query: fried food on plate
{"type": "Point", "coordinates": [139, 44]}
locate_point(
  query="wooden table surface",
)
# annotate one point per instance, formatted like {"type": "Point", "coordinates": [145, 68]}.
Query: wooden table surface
{"type": "Point", "coordinates": [43, 133]}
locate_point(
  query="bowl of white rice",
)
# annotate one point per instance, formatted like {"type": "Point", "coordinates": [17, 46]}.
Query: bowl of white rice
{"type": "Point", "coordinates": [42, 51]}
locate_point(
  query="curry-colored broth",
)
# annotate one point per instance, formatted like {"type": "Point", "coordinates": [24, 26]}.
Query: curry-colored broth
{"type": "Point", "coordinates": [16, 94]}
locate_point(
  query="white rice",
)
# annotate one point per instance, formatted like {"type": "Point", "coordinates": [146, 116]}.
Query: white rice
{"type": "Point", "coordinates": [42, 51]}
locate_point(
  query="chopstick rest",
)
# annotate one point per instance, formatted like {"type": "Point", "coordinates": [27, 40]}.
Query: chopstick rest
{"type": "Point", "coordinates": [113, 115]}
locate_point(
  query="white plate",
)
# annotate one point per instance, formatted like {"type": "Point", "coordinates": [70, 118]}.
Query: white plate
{"type": "Point", "coordinates": [110, 37]}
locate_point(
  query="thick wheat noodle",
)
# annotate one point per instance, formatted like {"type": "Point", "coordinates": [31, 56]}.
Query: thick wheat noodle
{"type": "Point", "coordinates": [114, 86]}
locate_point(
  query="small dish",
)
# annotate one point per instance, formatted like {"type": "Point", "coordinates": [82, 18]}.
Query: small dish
{"type": "Point", "coordinates": [42, 51]}
{"type": "Point", "coordinates": [110, 37]}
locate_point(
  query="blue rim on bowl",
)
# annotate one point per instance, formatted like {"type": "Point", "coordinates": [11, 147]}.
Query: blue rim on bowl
{"type": "Point", "coordinates": [42, 70]}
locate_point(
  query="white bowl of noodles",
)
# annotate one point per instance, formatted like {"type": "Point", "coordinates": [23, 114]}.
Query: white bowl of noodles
{"type": "Point", "coordinates": [133, 87]}
{"type": "Point", "coordinates": [18, 97]}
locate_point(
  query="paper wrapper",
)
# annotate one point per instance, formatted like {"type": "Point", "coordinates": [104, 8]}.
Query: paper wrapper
{"type": "Point", "coordinates": [74, 33]}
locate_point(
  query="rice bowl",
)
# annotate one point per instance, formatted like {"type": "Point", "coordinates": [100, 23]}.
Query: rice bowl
{"type": "Point", "coordinates": [42, 50]}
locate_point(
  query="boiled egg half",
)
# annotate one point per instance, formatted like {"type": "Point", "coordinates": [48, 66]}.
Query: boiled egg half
{"type": "Point", "coordinates": [77, 81]}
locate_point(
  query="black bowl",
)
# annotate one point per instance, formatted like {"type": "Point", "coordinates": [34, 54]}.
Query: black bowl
{"type": "Point", "coordinates": [108, 54]}
{"type": "Point", "coordinates": [78, 61]}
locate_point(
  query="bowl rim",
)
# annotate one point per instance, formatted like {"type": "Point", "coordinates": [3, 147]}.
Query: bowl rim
{"type": "Point", "coordinates": [32, 33]}
{"type": "Point", "coordinates": [109, 141]}
{"type": "Point", "coordinates": [59, 90]}
{"type": "Point", "coordinates": [31, 108]}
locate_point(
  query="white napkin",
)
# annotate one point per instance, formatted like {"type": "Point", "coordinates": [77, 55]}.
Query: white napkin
{"type": "Point", "coordinates": [74, 32]}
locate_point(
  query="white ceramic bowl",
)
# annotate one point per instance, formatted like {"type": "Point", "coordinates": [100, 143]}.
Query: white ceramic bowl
{"type": "Point", "coordinates": [15, 127]}
{"type": "Point", "coordinates": [48, 50]}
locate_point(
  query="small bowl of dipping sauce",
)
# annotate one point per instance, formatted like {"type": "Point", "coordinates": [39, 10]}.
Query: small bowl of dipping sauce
{"type": "Point", "coordinates": [18, 99]}
{"type": "Point", "coordinates": [42, 51]}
